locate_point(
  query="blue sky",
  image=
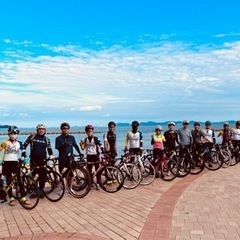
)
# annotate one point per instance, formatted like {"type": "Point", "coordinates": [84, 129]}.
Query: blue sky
{"type": "Point", "coordinates": [96, 61]}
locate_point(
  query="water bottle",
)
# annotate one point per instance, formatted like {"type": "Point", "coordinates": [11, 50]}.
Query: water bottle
{"type": "Point", "coordinates": [4, 182]}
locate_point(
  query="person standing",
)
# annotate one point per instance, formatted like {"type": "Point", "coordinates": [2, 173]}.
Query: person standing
{"type": "Point", "coordinates": [110, 140]}
{"type": "Point", "coordinates": [236, 139]}
{"type": "Point", "coordinates": [92, 145]}
{"type": "Point", "coordinates": [40, 146]}
{"type": "Point", "coordinates": [209, 135]}
{"type": "Point", "coordinates": [12, 149]}
{"type": "Point", "coordinates": [134, 140]}
{"type": "Point", "coordinates": [171, 137]}
{"type": "Point", "coordinates": [65, 144]}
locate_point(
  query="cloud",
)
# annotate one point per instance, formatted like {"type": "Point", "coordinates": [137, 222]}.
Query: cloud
{"type": "Point", "coordinates": [134, 80]}
{"type": "Point", "coordinates": [222, 35]}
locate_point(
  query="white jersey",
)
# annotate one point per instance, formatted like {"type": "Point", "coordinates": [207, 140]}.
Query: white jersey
{"type": "Point", "coordinates": [11, 150]}
{"type": "Point", "coordinates": [209, 135]}
{"type": "Point", "coordinates": [236, 134]}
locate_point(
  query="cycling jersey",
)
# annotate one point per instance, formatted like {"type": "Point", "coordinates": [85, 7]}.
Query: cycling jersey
{"type": "Point", "coordinates": [209, 135]}
{"type": "Point", "coordinates": [157, 141]}
{"type": "Point", "coordinates": [11, 150]}
{"type": "Point", "coordinates": [171, 138]}
{"type": "Point", "coordinates": [135, 140]}
{"type": "Point", "coordinates": [226, 136]}
{"type": "Point", "coordinates": [185, 136]}
{"type": "Point", "coordinates": [109, 139]}
{"type": "Point", "coordinates": [236, 134]}
{"type": "Point", "coordinates": [40, 145]}
{"type": "Point", "coordinates": [91, 144]}
{"type": "Point", "coordinates": [64, 144]}
{"type": "Point", "coordinates": [197, 136]}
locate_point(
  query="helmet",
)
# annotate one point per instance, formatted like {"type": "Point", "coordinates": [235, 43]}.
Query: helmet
{"type": "Point", "coordinates": [64, 125]}
{"type": "Point", "coordinates": [158, 128]}
{"type": "Point", "coordinates": [41, 125]}
{"type": "Point", "coordinates": [185, 122]}
{"type": "Point", "coordinates": [88, 127]}
{"type": "Point", "coordinates": [226, 124]}
{"type": "Point", "coordinates": [136, 123]}
{"type": "Point", "coordinates": [112, 123]}
{"type": "Point", "coordinates": [196, 124]}
{"type": "Point", "coordinates": [208, 123]}
{"type": "Point", "coordinates": [13, 129]}
{"type": "Point", "coordinates": [238, 123]}
{"type": "Point", "coordinates": [171, 123]}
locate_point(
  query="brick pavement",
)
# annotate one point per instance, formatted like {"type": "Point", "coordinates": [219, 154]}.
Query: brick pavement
{"type": "Point", "coordinates": [183, 209]}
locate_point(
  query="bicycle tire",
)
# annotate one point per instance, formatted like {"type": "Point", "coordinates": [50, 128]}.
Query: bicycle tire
{"type": "Point", "coordinates": [214, 161]}
{"type": "Point", "coordinates": [132, 175]}
{"type": "Point", "coordinates": [170, 173]}
{"type": "Point", "coordinates": [148, 173]}
{"type": "Point", "coordinates": [24, 189]}
{"type": "Point", "coordinates": [226, 158]}
{"type": "Point", "coordinates": [198, 166]}
{"type": "Point", "coordinates": [54, 187]}
{"type": "Point", "coordinates": [111, 179]}
{"type": "Point", "coordinates": [78, 182]}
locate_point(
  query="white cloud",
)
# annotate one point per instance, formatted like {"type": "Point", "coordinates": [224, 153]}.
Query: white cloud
{"type": "Point", "coordinates": [121, 80]}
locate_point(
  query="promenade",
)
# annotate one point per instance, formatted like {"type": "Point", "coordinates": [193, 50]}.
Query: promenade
{"type": "Point", "coordinates": [201, 207]}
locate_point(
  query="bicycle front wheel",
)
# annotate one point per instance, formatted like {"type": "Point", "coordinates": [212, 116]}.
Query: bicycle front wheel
{"type": "Point", "coordinates": [213, 161]}
{"type": "Point", "coordinates": [25, 186]}
{"type": "Point", "coordinates": [78, 182]}
{"type": "Point", "coordinates": [170, 170]}
{"type": "Point", "coordinates": [54, 187]}
{"type": "Point", "coordinates": [148, 173]}
{"type": "Point", "coordinates": [132, 175]}
{"type": "Point", "coordinates": [111, 179]}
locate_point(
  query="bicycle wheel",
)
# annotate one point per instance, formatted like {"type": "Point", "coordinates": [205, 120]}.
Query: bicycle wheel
{"type": "Point", "coordinates": [131, 174]}
{"type": "Point", "coordinates": [148, 173]}
{"type": "Point", "coordinates": [24, 189]}
{"type": "Point", "coordinates": [184, 167]}
{"type": "Point", "coordinates": [197, 166]}
{"type": "Point", "coordinates": [78, 182]}
{"type": "Point", "coordinates": [226, 155]}
{"type": "Point", "coordinates": [54, 187]}
{"type": "Point", "coordinates": [170, 171]}
{"type": "Point", "coordinates": [213, 161]}
{"type": "Point", "coordinates": [111, 179]}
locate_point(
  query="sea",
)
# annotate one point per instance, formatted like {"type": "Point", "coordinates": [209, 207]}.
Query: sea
{"type": "Point", "coordinates": [121, 131]}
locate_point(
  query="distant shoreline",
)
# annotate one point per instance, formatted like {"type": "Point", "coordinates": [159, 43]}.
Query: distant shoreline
{"type": "Point", "coordinates": [48, 132]}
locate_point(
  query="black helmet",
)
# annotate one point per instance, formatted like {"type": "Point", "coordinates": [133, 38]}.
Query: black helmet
{"type": "Point", "coordinates": [64, 125]}
{"type": "Point", "coordinates": [112, 123]}
{"type": "Point", "coordinates": [196, 124]}
{"type": "Point", "coordinates": [238, 123]}
{"type": "Point", "coordinates": [226, 124]}
{"type": "Point", "coordinates": [136, 123]}
{"type": "Point", "coordinates": [208, 123]}
{"type": "Point", "coordinates": [13, 129]}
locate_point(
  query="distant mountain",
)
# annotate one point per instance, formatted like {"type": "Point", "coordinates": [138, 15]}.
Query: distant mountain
{"type": "Point", "coordinates": [152, 123]}
{"type": "Point", "coordinates": [4, 126]}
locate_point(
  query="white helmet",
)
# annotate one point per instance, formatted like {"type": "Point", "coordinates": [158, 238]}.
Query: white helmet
{"type": "Point", "coordinates": [41, 125]}
{"type": "Point", "coordinates": [171, 123]}
{"type": "Point", "coordinates": [158, 127]}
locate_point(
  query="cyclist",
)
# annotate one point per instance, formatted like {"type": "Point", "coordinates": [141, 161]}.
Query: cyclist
{"type": "Point", "coordinates": [12, 148]}
{"type": "Point", "coordinates": [65, 144]}
{"type": "Point", "coordinates": [185, 138]}
{"type": "Point", "coordinates": [236, 139]}
{"type": "Point", "coordinates": [158, 141]}
{"type": "Point", "coordinates": [92, 145]}
{"type": "Point", "coordinates": [226, 134]}
{"type": "Point", "coordinates": [209, 135]}
{"type": "Point", "coordinates": [110, 140]}
{"type": "Point", "coordinates": [171, 137]}
{"type": "Point", "coordinates": [39, 147]}
{"type": "Point", "coordinates": [134, 139]}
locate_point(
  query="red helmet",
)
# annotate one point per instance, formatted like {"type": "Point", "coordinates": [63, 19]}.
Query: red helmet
{"type": "Point", "coordinates": [88, 127]}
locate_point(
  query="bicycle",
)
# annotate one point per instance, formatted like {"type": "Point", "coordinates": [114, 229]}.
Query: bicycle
{"type": "Point", "coordinates": [77, 177]}
{"type": "Point", "coordinates": [22, 186]}
{"type": "Point", "coordinates": [131, 173]}
{"type": "Point", "coordinates": [189, 163]}
{"type": "Point", "coordinates": [169, 167]}
{"type": "Point", "coordinates": [54, 187]}
{"type": "Point", "coordinates": [110, 177]}
{"type": "Point", "coordinates": [143, 163]}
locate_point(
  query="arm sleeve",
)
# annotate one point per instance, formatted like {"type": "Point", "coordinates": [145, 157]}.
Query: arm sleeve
{"type": "Point", "coordinates": [141, 140]}
{"type": "Point", "coordinates": [49, 148]}
{"type": "Point", "coordinates": [126, 139]}
{"type": "Point", "coordinates": [76, 146]}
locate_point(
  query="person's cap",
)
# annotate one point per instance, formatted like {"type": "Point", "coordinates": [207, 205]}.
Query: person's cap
{"type": "Point", "coordinates": [208, 123]}
{"type": "Point", "coordinates": [185, 122]}
{"type": "Point", "coordinates": [171, 123]}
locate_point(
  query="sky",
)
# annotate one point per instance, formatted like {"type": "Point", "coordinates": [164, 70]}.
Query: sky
{"type": "Point", "coordinates": [90, 62]}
